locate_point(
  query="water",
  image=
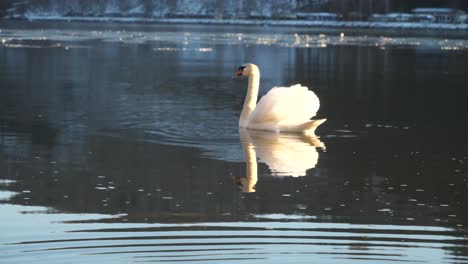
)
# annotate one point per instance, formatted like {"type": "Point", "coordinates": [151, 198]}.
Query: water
{"type": "Point", "coordinates": [119, 144]}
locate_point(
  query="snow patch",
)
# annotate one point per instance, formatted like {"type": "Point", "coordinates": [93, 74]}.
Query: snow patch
{"type": "Point", "coordinates": [271, 22]}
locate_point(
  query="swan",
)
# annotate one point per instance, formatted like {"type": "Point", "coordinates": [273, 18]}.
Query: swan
{"type": "Point", "coordinates": [282, 109]}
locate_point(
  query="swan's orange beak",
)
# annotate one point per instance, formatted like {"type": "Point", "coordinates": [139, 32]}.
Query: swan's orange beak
{"type": "Point", "coordinates": [239, 72]}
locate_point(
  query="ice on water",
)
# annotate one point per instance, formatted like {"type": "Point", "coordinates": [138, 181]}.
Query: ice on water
{"type": "Point", "coordinates": [203, 41]}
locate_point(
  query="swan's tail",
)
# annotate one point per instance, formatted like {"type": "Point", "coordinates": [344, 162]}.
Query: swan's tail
{"type": "Point", "coordinates": [309, 127]}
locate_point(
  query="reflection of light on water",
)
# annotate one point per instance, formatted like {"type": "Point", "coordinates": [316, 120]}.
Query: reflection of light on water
{"type": "Point", "coordinates": [293, 237]}
{"type": "Point", "coordinates": [22, 46]}
{"type": "Point", "coordinates": [450, 48]}
{"type": "Point", "coordinates": [184, 49]}
{"type": "Point", "coordinates": [205, 49]}
{"type": "Point", "coordinates": [167, 49]}
{"type": "Point", "coordinates": [6, 182]}
{"type": "Point", "coordinates": [266, 41]}
{"type": "Point", "coordinates": [284, 217]}
{"type": "Point", "coordinates": [297, 39]}
{"type": "Point", "coordinates": [6, 195]}
{"type": "Point", "coordinates": [230, 38]}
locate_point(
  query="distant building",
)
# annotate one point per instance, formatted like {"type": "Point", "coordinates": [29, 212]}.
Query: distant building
{"type": "Point", "coordinates": [442, 15]}
{"type": "Point", "coordinates": [391, 17]}
{"type": "Point", "coordinates": [318, 16]}
{"type": "Point", "coordinates": [402, 17]}
{"type": "Point", "coordinates": [424, 15]}
{"type": "Point", "coordinates": [462, 19]}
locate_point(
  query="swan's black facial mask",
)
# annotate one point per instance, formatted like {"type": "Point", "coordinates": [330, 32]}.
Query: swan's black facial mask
{"type": "Point", "coordinates": [239, 71]}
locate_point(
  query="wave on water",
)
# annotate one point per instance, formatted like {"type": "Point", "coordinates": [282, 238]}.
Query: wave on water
{"type": "Point", "coordinates": [247, 242]}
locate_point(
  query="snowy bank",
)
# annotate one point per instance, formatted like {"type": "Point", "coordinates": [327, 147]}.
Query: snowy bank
{"type": "Point", "coordinates": [271, 22]}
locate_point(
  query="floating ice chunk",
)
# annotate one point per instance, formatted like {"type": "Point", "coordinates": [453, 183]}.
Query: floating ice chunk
{"type": "Point", "coordinates": [6, 182]}
{"type": "Point", "coordinates": [385, 210]}
{"type": "Point", "coordinates": [284, 217]}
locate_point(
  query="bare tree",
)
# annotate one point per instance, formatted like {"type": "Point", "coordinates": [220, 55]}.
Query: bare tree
{"type": "Point", "coordinates": [148, 8]}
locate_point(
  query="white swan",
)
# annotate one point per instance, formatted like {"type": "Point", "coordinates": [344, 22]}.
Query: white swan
{"type": "Point", "coordinates": [287, 109]}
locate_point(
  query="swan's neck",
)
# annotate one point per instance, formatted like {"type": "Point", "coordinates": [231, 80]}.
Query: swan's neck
{"type": "Point", "coordinates": [251, 98]}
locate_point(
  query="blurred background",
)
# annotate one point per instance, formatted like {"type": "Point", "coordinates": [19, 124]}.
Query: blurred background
{"type": "Point", "coordinates": [223, 9]}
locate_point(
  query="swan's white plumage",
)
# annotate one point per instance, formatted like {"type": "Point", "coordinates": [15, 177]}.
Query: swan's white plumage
{"type": "Point", "coordinates": [286, 106]}
{"type": "Point", "coordinates": [288, 109]}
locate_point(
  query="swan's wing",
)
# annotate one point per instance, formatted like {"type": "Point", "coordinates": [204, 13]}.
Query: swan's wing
{"type": "Point", "coordinates": [286, 105]}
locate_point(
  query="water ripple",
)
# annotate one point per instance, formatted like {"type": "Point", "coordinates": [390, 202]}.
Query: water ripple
{"type": "Point", "coordinates": [246, 242]}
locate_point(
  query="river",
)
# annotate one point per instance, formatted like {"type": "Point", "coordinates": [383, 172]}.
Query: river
{"type": "Point", "coordinates": [120, 144]}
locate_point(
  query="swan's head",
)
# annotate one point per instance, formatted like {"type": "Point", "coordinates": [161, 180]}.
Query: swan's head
{"type": "Point", "coordinates": [247, 70]}
{"type": "Point", "coordinates": [244, 184]}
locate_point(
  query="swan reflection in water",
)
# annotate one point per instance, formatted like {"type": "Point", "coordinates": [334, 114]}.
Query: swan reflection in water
{"type": "Point", "coordinates": [285, 155]}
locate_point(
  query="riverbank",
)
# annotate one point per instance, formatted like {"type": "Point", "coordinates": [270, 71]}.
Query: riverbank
{"type": "Point", "coordinates": [361, 27]}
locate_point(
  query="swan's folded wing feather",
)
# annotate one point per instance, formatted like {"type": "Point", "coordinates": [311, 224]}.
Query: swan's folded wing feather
{"type": "Point", "coordinates": [286, 105]}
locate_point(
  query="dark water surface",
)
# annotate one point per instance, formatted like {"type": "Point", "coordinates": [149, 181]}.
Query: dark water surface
{"type": "Point", "coordinates": [120, 144]}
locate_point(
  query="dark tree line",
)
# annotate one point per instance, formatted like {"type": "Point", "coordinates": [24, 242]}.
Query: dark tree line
{"type": "Point", "coordinates": [360, 9]}
{"type": "Point", "coordinates": [349, 9]}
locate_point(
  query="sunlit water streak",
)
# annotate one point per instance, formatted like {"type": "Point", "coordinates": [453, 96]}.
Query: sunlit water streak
{"type": "Point", "coordinates": [261, 242]}
{"type": "Point", "coordinates": [59, 38]}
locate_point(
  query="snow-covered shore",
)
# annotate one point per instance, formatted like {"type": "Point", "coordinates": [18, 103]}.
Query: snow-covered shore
{"type": "Point", "coordinates": [294, 23]}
